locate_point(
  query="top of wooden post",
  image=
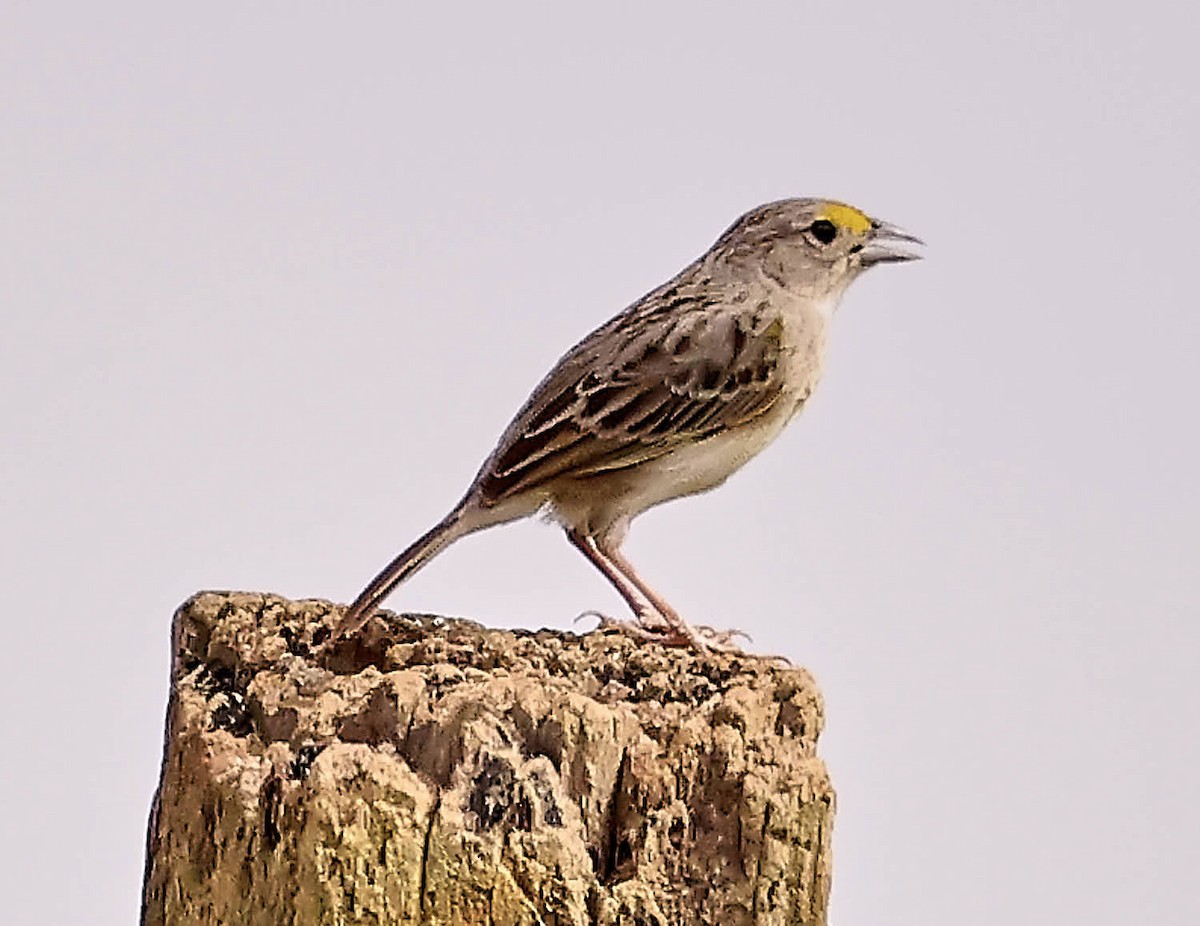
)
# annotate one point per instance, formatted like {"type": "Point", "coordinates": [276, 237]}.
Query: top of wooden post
{"type": "Point", "coordinates": [435, 771]}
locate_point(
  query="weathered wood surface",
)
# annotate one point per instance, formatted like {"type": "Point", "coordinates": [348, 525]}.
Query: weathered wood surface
{"type": "Point", "coordinates": [438, 772]}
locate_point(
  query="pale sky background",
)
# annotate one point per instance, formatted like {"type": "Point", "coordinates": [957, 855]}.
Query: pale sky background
{"type": "Point", "coordinates": [275, 276]}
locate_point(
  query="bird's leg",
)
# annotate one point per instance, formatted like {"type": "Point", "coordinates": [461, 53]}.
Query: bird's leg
{"type": "Point", "coordinates": [681, 632]}
{"type": "Point", "coordinates": [647, 616]}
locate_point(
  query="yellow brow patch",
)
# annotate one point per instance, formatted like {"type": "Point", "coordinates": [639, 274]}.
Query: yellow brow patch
{"type": "Point", "coordinates": [847, 217]}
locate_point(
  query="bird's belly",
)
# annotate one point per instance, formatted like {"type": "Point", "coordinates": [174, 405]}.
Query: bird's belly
{"type": "Point", "coordinates": [705, 465]}
{"type": "Point", "coordinates": [598, 503]}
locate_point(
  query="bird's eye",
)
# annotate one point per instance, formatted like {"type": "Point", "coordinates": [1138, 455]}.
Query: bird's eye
{"type": "Point", "coordinates": [823, 230]}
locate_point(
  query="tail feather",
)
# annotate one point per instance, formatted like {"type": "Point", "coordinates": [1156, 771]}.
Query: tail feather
{"type": "Point", "coordinates": [421, 551]}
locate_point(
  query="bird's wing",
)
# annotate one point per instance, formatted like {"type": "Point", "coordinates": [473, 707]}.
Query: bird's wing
{"type": "Point", "coordinates": [653, 379]}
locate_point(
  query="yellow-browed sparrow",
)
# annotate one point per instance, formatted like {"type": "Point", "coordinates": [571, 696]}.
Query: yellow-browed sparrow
{"type": "Point", "coordinates": [669, 398]}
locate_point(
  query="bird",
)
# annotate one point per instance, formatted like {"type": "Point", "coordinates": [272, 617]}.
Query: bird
{"type": "Point", "coordinates": [668, 399]}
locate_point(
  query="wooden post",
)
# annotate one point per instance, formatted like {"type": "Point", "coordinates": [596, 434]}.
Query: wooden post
{"type": "Point", "coordinates": [438, 772]}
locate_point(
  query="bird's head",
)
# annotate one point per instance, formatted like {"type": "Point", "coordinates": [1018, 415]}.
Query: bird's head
{"type": "Point", "coordinates": [813, 246]}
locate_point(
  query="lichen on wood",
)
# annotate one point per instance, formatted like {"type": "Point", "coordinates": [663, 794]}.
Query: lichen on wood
{"type": "Point", "coordinates": [434, 771]}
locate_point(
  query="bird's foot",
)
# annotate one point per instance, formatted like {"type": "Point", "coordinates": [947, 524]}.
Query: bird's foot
{"type": "Point", "coordinates": [639, 629]}
{"type": "Point", "coordinates": [652, 627]}
{"type": "Point", "coordinates": [720, 640]}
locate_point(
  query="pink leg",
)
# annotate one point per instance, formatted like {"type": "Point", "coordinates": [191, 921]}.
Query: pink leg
{"type": "Point", "coordinates": [645, 612]}
{"type": "Point", "coordinates": [681, 632]}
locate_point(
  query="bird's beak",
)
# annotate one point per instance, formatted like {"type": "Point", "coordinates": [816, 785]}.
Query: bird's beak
{"type": "Point", "coordinates": [888, 244]}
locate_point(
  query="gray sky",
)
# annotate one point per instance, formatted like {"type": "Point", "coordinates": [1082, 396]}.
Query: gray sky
{"type": "Point", "coordinates": [275, 279]}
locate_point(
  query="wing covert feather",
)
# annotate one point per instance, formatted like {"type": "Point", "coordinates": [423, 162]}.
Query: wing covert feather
{"type": "Point", "coordinates": [675, 378]}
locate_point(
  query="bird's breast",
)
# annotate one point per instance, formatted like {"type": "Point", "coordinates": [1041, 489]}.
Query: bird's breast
{"type": "Point", "coordinates": [805, 325]}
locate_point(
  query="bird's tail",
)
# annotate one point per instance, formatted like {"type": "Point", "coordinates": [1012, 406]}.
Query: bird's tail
{"type": "Point", "coordinates": [421, 551]}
